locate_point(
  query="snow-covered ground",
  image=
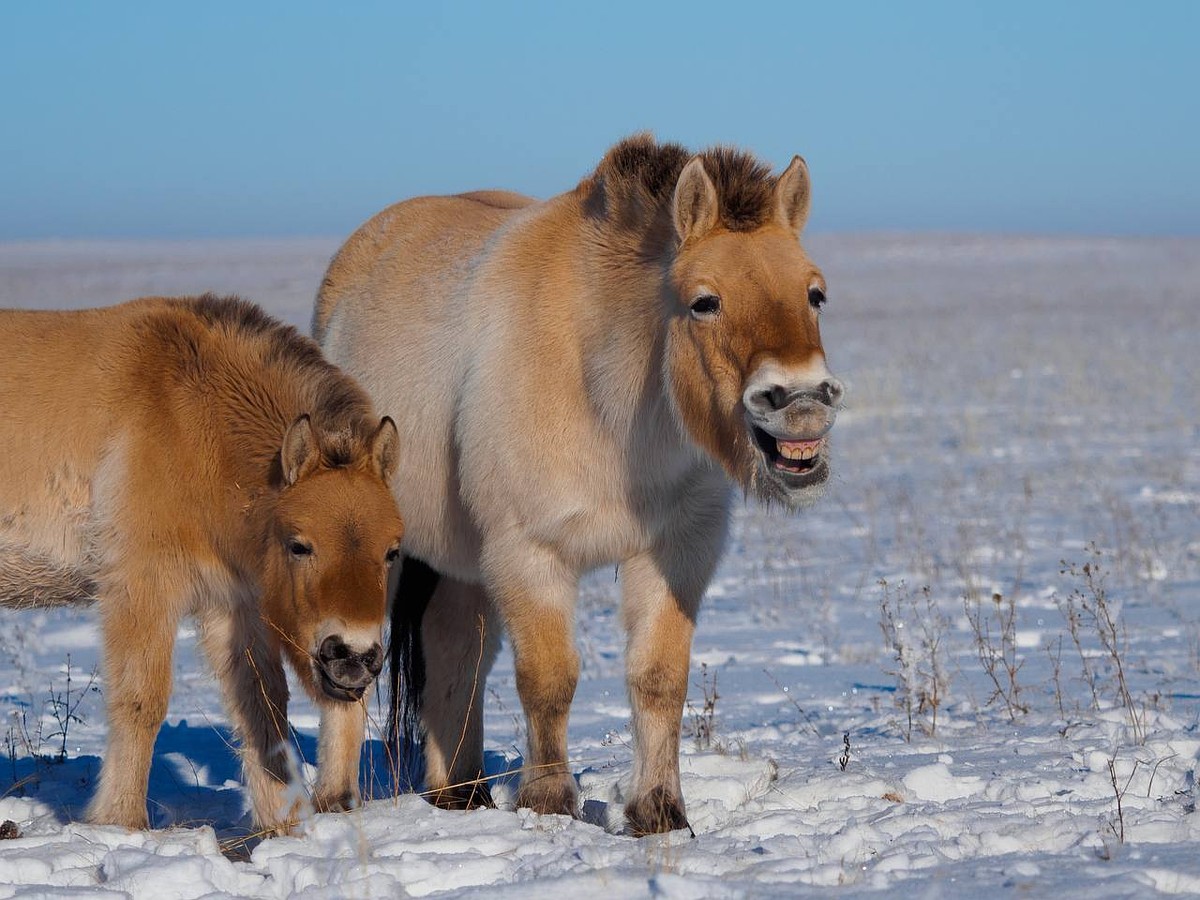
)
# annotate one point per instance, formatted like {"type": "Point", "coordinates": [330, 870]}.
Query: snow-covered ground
{"type": "Point", "coordinates": [1019, 408]}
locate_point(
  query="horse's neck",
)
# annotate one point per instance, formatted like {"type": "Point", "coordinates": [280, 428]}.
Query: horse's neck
{"type": "Point", "coordinates": [254, 415]}
{"type": "Point", "coordinates": [623, 308]}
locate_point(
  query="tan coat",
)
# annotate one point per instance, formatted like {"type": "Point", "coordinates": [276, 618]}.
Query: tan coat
{"type": "Point", "coordinates": [576, 382]}
{"type": "Point", "coordinates": [194, 457]}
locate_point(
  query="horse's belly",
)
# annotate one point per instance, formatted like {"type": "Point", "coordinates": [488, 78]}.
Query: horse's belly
{"type": "Point", "coordinates": [48, 530]}
{"type": "Point", "coordinates": [45, 533]}
{"type": "Point", "coordinates": [31, 579]}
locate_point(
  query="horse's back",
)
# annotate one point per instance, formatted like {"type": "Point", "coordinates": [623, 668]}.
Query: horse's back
{"type": "Point", "coordinates": [404, 245]}
{"type": "Point", "coordinates": [57, 374]}
{"type": "Point", "coordinates": [68, 376]}
{"type": "Point", "coordinates": [498, 199]}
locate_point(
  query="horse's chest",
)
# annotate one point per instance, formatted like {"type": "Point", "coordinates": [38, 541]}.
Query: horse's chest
{"type": "Point", "coordinates": [607, 523]}
{"type": "Point", "coordinates": [594, 535]}
{"type": "Point", "coordinates": [573, 485]}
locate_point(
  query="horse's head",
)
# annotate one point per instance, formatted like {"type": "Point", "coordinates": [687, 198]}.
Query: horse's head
{"type": "Point", "coordinates": [335, 534]}
{"type": "Point", "coordinates": [745, 362]}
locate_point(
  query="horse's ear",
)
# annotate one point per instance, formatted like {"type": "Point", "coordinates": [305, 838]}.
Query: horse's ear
{"type": "Point", "coordinates": [791, 195]}
{"type": "Point", "coordinates": [300, 453]}
{"type": "Point", "coordinates": [695, 202]}
{"type": "Point", "coordinates": [385, 448]}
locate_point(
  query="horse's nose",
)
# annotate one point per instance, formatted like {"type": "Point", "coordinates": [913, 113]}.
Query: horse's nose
{"type": "Point", "coordinates": [762, 399]}
{"type": "Point", "coordinates": [345, 670]}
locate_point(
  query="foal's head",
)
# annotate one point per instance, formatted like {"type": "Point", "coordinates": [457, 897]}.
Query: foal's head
{"type": "Point", "coordinates": [745, 361]}
{"type": "Point", "coordinates": [335, 534]}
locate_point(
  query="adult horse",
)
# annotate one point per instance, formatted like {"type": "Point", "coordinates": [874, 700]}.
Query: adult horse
{"type": "Point", "coordinates": [576, 383]}
{"type": "Point", "coordinates": [169, 457]}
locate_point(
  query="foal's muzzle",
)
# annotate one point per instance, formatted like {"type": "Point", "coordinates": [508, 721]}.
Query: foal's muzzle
{"type": "Point", "coordinates": [344, 673]}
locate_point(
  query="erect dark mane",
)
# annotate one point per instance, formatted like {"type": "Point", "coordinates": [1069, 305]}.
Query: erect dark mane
{"type": "Point", "coordinates": [639, 171]}
{"type": "Point", "coordinates": [246, 318]}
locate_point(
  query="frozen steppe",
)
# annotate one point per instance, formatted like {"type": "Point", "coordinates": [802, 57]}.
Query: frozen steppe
{"type": "Point", "coordinates": [1018, 408]}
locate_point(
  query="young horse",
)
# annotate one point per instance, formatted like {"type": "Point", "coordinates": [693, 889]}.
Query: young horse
{"type": "Point", "coordinates": [576, 381]}
{"type": "Point", "coordinates": [169, 457]}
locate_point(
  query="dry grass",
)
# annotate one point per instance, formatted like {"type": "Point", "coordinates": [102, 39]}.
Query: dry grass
{"type": "Point", "coordinates": [914, 631]}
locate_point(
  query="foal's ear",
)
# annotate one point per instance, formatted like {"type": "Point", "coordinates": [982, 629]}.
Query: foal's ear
{"type": "Point", "coordinates": [695, 203]}
{"type": "Point", "coordinates": [300, 453]}
{"type": "Point", "coordinates": [385, 448]}
{"type": "Point", "coordinates": [791, 195]}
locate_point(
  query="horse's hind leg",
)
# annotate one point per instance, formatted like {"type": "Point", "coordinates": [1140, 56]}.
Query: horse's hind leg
{"type": "Point", "coordinates": [461, 636]}
{"type": "Point", "coordinates": [139, 622]}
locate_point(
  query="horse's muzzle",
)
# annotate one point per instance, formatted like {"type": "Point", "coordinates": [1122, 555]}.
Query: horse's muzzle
{"type": "Point", "coordinates": [806, 412]}
{"type": "Point", "coordinates": [789, 429]}
{"type": "Point", "coordinates": [345, 674]}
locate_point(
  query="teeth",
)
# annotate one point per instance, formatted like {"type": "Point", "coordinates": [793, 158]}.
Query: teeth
{"type": "Point", "coordinates": [799, 450]}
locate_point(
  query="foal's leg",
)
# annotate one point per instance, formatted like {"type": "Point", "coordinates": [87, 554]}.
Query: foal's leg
{"type": "Point", "coordinates": [247, 665]}
{"type": "Point", "coordinates": [662, 592]}
{"type": "Point", "coordinates": [535, 594]}
{"type": "Point", "coordinates": [461, 636]}
{"type": "Point", "coordinates": [339, 746]}
{"type": "Point", "coordinates": [139, 623]}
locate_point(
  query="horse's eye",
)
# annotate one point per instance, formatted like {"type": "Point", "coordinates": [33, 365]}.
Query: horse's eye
{"type": "Point", "coordinates": [706, 307]}
{"type": "Point", "coordinates": [392, 555]}
{"type": "Point", "coordinates": [299, 549]}
{"type": "Point", "coordinates": [816, 297]}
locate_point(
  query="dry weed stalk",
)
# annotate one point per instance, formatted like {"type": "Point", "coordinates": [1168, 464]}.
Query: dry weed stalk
{"type": "Point", "coordinates": [65, 709]}
{"type": "Point", "coordinates": [998, 652]}
{"type": "Point", "coordinates": [1054, 651]}
{"type": "Point", "coordinates": [1088, 610]}
{"type": "Point", "coordinates": [704, 720]}
{"type": "Point", "coordinates": [807, 719]}
{"type": "Point", "coordinates": [1118, 828]}
{"type": "Point", "coordinates": [913, 631]}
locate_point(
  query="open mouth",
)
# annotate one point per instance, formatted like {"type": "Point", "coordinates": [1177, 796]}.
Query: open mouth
{"type": "Point", "coordinates": [336, 691]}
{"type": "Point", "coordinates": [793, 457]}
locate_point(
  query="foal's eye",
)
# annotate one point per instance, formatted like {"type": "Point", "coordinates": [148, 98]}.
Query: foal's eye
{"type": "Point", "coordinates": [299, 549]}
{"type": "Point", "coordinates": [392, 555]}
{"type": "Point", "coordinates": [706, 307]}
{"type": "Point", "coordinates": [816, 297]}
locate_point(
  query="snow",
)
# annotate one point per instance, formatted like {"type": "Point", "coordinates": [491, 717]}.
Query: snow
{"type": "Point", "coordinates": [1018, 407]}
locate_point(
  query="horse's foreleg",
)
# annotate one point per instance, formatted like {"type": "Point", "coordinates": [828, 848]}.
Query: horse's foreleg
{"type": "Point", "coordinates": [662, 592]}
{"type": "Point", "coordinates": [535, 594]}
{"type": "Point", "coordinates": [139, 636]}
{"type": "Point", "coordinates": [343, 726]}
{"type": "Point", "coordinates": [657, 656]}
{"type": "Point", "coordinates": [248, 667]}
{"type": "Point", "coordinates": [461, 636]}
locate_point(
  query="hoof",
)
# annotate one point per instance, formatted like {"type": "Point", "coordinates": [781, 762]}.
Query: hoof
{"type": "Point", "coordinates": [127, 816]}
{"type": "Point", "coordinates": [343, 802]}
{"type": "Point", "coordinates": [550, 795]}
{"type": "Point", "coordinates": [655, 812]}
{"type": "Point", "coordinates": [463, 796]}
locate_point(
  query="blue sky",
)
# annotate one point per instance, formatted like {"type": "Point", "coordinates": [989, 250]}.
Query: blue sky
{"type": "Point", "coordinates": [162, 119]}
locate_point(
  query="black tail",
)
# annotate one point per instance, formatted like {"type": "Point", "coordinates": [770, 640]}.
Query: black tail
{"type": "Point", "coordinates": [414, 587]}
